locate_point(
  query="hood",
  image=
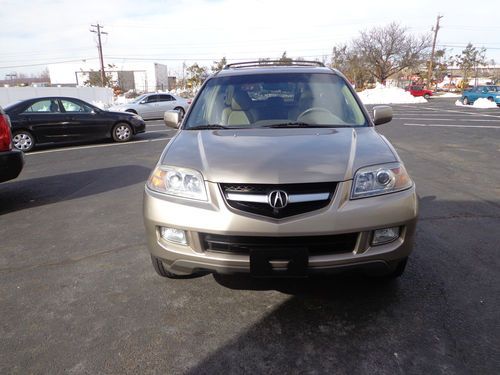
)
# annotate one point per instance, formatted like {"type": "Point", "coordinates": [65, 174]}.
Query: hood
{"type": "Point", "coordinates": [277, 156]}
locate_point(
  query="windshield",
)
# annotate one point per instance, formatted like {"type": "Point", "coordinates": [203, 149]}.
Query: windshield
{"type": "Point", "coordinates": [139, 98]}
{"type": "Point", "coordinates": [281, 100]}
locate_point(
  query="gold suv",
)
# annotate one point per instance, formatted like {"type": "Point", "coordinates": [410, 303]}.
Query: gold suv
{"type": "Point", "coordinates": [277, 171]}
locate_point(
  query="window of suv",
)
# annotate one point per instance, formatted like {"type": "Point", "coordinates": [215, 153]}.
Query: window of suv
{"type": "Point", "coordinates": [254, 100]}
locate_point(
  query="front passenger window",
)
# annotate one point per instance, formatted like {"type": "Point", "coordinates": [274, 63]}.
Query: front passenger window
{"type": "Point", "coordinates": [71, 106]}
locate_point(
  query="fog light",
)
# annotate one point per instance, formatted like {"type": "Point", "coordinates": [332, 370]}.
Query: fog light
{"type": "Point", "coordinates": [174, 235]}
{"type": "Point", "coordinates": [381, 236]}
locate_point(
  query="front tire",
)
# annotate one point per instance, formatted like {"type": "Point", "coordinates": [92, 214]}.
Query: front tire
{"type": "Point", "coordinates": [181, 112]}
{"type": "Point", "coordinates": [122, 132]}
{"type": "Point", "coordinates": [427, 96]}
{"type": "Point", "coordinates": [466, 101]}
{"type": "Point", "coordinates": [398, 270]}
{"type": "Point", "coordinates": [23, 140]}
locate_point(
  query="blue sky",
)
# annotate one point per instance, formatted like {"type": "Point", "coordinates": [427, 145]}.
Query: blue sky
{"type": "Point", "coordinates": [38, 32]}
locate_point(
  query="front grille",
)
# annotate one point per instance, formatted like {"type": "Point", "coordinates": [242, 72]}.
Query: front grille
{"type": "Point", "coordinates": [317, 245]}
{"type": "Point", "coordinates": [291, 209]}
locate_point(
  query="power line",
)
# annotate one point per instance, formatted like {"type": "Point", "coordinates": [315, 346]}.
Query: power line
{"type": "Point", "coordinates": [46, 63]}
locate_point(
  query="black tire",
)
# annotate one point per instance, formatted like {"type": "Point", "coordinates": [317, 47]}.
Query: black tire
{"type": "Point", "coordinates": [465, 101]}
{"type": "Point", "coordinates": [162, 271]}
{"type": "Point", "coordinates": [427, 96]}
{"type": "Point", "coordinates": [131, 111]}
{"type": "Point", "coordinates": [398, 270]}
{"type": "Point", "coordinates": [490, 98]}
{"type": "Point", "coordinates": [181, 111]}
{"type": "Point", "coordinates": [122, 132]}
{"type": "Point", "coordinates": [23, 140]}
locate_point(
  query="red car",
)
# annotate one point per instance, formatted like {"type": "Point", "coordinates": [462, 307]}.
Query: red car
{"type": "Point", "coordinates": [11, 161]}
{"type": "Point", "coordinates": [416, 90]}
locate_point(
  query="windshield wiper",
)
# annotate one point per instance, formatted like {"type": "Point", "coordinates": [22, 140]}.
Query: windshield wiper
{"type": "Point", "coordinates": [292, 125]}
{"type": "Point", "coordinates": [208, 126]}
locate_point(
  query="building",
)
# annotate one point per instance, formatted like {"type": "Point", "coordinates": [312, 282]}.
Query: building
{"type": "Point", "coordinates": [137, 76]}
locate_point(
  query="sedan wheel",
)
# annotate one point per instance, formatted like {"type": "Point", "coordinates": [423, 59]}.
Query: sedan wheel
{"type": "Point", "coordinates": [22, 140]}
{"type": "Point", "coordinates": [181, 111]}
{"type": "Point", "coordinates": [122, 132]}
{"type": "Point", "coordinates": [466, 101]}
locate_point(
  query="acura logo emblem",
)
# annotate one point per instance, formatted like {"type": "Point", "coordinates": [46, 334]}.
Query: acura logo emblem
{"type": "Point", "coordinates": [277, 199]}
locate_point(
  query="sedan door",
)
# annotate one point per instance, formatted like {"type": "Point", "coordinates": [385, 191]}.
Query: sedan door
{"type": "Point", "coordinates": [148, 107]}
{"type": "Point", "coordinates": [165, 103]}
{"type": "Point", "coordinates": [45, 120]}
{"type": "Point", "coordinates": [85, 123]}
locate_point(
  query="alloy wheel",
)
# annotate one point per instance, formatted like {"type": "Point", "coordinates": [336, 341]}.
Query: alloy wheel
{"type": "Point", "coordinates": [22, 141]}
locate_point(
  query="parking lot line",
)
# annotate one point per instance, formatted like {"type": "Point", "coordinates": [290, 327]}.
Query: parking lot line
{"type": "Point", "coordinates": [442, 119]}
{"type": "Point", "coordinates": [96, 146]}
{"type": "Point", "coordinates": [455, 126]}
{"type": "Point", "coordinates": [461, 112]}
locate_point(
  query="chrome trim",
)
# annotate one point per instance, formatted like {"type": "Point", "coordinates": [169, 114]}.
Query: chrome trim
{"type": "Point", "coordinates": [255, 198]}
{"type": "Point", "coordinates": [294, 198]}
{"type": "Point", "coordinates": [299, 198]}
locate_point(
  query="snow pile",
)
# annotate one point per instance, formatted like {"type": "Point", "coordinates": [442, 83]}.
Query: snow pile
{"type": "Point", "coordinates": [479, 103]}
{"type": "Point", "coordinates": [100, 104]}
{"type": "Point", "coordinates": [388, 95]}
{"type": "Point", "coordinates": [121, 99]}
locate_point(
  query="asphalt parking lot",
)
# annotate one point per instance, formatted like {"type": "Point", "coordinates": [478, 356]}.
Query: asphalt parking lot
{"type": "Point", "coordinates": [78, 294]}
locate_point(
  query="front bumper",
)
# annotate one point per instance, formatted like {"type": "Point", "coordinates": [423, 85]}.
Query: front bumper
{"type": "Point", "coordinates": [11, 164]}
{"type": "Point", "coordinates": [139, 125]}
{"type": "Point", "coordinates": [341, 216]}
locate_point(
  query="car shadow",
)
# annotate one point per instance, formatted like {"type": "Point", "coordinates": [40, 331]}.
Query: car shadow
{"type": "Point", "coordinates": [21, 194]}
{"type": "Point", "coordinates": [313, 331]}
{"type": "Point", "coordinates": [422, 322]}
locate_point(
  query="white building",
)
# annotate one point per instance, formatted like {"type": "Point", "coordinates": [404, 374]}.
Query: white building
{"type": "Point", "coordinates": [139, 76]}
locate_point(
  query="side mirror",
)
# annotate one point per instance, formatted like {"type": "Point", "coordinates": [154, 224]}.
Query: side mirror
{"type": "Point", "coordinates": [382, 114]}
{"type": "Point", "coordinates": [172, 119]}
{"type": "Point", "coordinates": [143, 101]}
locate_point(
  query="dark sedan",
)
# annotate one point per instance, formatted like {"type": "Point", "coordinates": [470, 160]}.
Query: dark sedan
{"type": "Point", "coordinates": [50, 120]}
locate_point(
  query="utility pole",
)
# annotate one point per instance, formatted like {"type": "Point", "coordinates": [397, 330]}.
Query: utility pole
{"type": "Point", "coordinates": [99, 48]}
{"type": "Point", "coordinates": [429, 72]}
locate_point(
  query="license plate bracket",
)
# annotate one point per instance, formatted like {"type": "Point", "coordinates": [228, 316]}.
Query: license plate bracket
{"type": "Point", "coordinates": [279, 262]}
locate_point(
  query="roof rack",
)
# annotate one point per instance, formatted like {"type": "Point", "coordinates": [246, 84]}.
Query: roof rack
{"type": "Point", "coordinates": [260, 63]}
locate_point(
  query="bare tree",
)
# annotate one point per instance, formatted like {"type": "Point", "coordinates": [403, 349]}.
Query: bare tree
{"type": "Point", "coordinates": [219, 65]}
{"type": "Point", "coordinates": [197, 74]}
{"type": "Point", "coordinates": [349, 62]}
{"type": "Point", "coordinates": [469, 61]}
{"type": "Point", "coordinates": [284, 59]}
{"type": "Point", "coordinates": [390, 49]}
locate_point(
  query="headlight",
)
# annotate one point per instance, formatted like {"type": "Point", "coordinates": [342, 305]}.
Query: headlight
{"type": "Point", "coordinates": [181, 182]}
{"type": "Point", "coordinates": [380, 179]}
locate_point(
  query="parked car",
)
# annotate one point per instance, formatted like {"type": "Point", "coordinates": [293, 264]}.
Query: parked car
{"type": "Point", "coordinates": [153, 106]}
{"type": "Point", "coordinates": [490, 92]}
{"type": "Point", "coordinates": [48, 120]}
{"type": "Point", "coordinates": [277, 171]}
{"type": "Point", "coordinates": [417, 90]}
{"type": "Point", "coordinates": [11, 160]}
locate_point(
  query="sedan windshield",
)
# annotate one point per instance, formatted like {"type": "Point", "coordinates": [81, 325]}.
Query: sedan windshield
{"type": "Point", "coordinates": [276, 100]}
{"type": "Point", "coordinates": [139, 99]}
